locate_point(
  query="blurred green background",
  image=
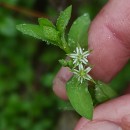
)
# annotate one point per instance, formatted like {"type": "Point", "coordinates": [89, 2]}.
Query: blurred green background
{"type": "Point", "coordinates": [28, 66]}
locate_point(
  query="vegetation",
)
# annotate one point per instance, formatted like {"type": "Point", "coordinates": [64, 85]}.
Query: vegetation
{"type": "Point", "coordinates": [28, 66]}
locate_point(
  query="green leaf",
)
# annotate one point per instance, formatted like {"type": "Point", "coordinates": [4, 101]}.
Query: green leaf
{"type": "Point", "coordinates": [45, 33]}
{"type": "Point", "coordinates": [103, 92]}
{"type": "Point", "coordinates": [45, 22]}
{"type": "Point", "coordinates": [31, 30]}
{"type": "Point", "coordinates": [80, 97]}
{"type": "Point", "coordinates": [51, 35]}
{"type": "Point", "coordinates": [91, 90]}
{"type": "Point", "coordinates": [119, 83]}
{"type": "Point", "coordinates": [63, 19]}
{"type": "Point", "coordinates": [78, 32]}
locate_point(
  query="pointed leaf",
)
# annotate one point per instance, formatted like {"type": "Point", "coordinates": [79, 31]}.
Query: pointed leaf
{"type": "Point", "coordinates": [45, 22]}
{"type": "Point", "coordinates": [103, 92]}
{"type": "Point", "coordinates": [31, 30]}
{"type": "Point", "coordinates": [80, 98]}
{"type": "Point", "coordinates": [78, 32]}
{"type": "Point", "coordinates": [51, 35]}
{"type": "Point", "coordinates": [44, 33]}
{"type": "Point", "coordinates": [63, 19]}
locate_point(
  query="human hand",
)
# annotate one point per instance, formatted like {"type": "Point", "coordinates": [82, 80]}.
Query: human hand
{"type": "Point", "coordinates": [109, 38]}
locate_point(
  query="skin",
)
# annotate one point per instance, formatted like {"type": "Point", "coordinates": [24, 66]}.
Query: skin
{"type": "Point", "coordinates": [109, 38]}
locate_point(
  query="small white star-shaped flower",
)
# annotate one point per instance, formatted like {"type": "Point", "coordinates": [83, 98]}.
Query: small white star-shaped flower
{"type": "Point", "coordinates": [82, 74]}
{"type": "Point", "coordinates": [79, 56]}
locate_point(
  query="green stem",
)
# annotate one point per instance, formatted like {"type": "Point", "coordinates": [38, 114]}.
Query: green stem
{"type": "Point", "coordinates": [66, 48]}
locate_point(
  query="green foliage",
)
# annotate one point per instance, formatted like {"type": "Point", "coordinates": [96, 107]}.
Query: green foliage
{"type": "Point", "coordinates": [77, 37]}
{"type": "Point", "coordinates": [45, 33]}
{"type": "Point", "coordinates": [65, 63]}
{"type": "Point", "coordinates": [63, 19]}
{"type": "Point", "coordinates": [45, 22]}
{"type": "Point", "coordinates": [13, 2]}
{"type": "Point", "coordinates": [103, 92]}
{"type": "Point", "coordinates": [78, 32]}
{"type": "Point", "coordinates": [80, 97]}
{"type": "Point", "coordinates": [27, 69]}
{"type": "Point", "coordinates": [24, 101]}
{"type": "Point", "coordinates": [7, 26]}
{"type": "Point", "coordinates": [120, 82]}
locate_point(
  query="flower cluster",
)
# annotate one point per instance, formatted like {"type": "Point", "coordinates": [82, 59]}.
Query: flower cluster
{"type": "Point", "coordinates": [79, 57]}
{"type": "Point", "coordinates": [80, 62]}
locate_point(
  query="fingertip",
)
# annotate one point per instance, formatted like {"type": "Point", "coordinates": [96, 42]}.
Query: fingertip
{"type": "Point", "coordinates": [116, 110]}
{"type": "Point", "coordinates": [81, 123]}
{"type": "Point", "coordinates": [59, 82]}
{"type": "Point", "coordinates": [100, 125]}
{"type": "Point", "coordinates": [59, 89]}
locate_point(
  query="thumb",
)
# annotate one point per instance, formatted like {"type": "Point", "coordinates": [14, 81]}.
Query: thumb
{"type": "Point", "coordinates": [101, 125]}
{"type": "Point", "coordinates": [112, 114]}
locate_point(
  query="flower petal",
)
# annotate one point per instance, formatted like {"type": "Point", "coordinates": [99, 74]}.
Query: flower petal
{"type": "Point", "coordinates": [88, 69]}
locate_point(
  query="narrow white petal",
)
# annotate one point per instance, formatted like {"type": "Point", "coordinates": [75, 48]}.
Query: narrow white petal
{"type": "Point", "coordinates": [75, 73]}
{"type": "Point", "coordinates": [89, 76]}
{"type": "Point", "coordinates": [80, 50]}
{"type": "Point", "coordinates": [86, 53]}
{"type": "Point", "coordinates": [88, 69]}
{"type": "Point", "coordinates": [74, 61]}
{"type": "Point", "coordinates": [81, 67]}
{"type": "Point", "coordinates": [75, 70]}
{"type": "Point", "coordinates": [72, 55]}
{"type": "Point", "coordinates": [81, 80]}
{"type": "Point", "coordinates": [77, 50]}
{"type": "Point", "coordinates": [84, 61]}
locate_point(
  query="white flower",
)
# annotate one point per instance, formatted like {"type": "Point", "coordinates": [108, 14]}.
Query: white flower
{"type": "Point", "coordinates": [82, 74]}
{"type": "Point", "coordinates": [79, 56]}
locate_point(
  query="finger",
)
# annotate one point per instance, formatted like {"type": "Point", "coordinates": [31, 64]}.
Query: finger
{"type": "Point", "coordinates": [116, 110]}
{"type": "Point", "coordinates": [101, 125]}
{"type": "Point", "coordinates": [109, 39]}
{"type": "Point", "coordinates": [59, 82]}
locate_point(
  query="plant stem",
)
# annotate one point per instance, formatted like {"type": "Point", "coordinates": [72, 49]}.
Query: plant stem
{"type": "Point", "coordinates": [65, 45]}
{"type": "Point", "coordinates": [22, 10]}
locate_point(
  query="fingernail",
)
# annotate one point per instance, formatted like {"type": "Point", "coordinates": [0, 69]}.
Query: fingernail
{"type": "Point", "coordinates": [65, 74]}
{"type": "Point", "coordinates": [101, 125]}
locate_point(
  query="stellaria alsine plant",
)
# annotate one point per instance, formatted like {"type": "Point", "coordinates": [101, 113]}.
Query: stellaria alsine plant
{"type": "Point", "coordinates": [83, 91]}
